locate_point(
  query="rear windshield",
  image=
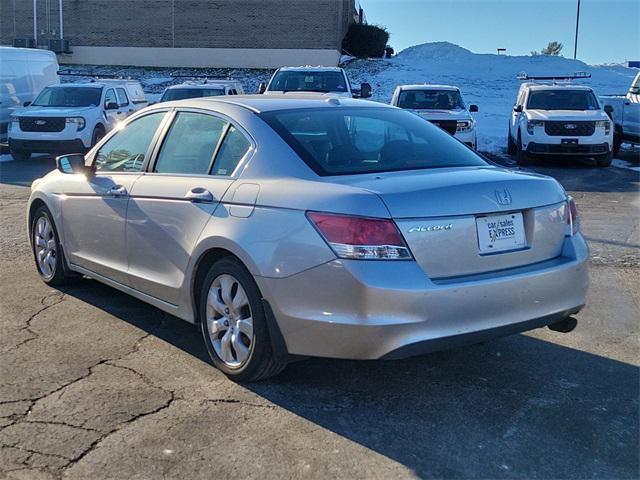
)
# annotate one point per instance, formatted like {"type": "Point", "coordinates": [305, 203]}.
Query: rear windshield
{"type": "Point", "coordinates": [183, 93]}
{"type": "Point", "coordinates": [430, 99]}
{"type": "Point", "coordinates": [562, 100]}
{"type": "Point", "coordinates": [309, 81]}
{"type": "Point", "coordinates": [347, 140]}
{"type": "Point", "coordinates": [69, 97]}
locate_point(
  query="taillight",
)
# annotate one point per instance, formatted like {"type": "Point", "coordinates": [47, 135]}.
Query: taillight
{"type": "Point", "coordinates": [361, 238]}
{"type": "Point", "coordinates": [573, 219]}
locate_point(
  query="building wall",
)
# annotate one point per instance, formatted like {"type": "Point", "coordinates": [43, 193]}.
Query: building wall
{"type": "Point", "coordinates": [314, 25]}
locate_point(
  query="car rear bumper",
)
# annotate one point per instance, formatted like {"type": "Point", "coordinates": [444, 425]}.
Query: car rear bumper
{"type": "Point", "coordinates": [558, 149]}
{"type": "Point", "coordinates": [376, 309]}
{"type": "Point", "coordinates": [48, 146]}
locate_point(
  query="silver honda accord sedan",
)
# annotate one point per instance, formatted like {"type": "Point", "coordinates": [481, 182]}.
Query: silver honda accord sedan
{"type": "Point", "coordinates": [289, 226]}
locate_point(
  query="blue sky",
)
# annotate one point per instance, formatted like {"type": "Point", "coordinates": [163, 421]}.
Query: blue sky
{"type": "Point", "coordinates": [608, 28]}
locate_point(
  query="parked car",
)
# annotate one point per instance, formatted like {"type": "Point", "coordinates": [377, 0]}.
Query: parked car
{"type": "Point", "coordinates": [625, 113]}
{"type": "Point", "coordinates": [322, 80]}
{"type": "Point", "coordinates": [72, 117]}
{"type": "Point", "coordinates": [443, 106]}
{"type": "Point", "coordinates": [559, 119]}
{"type": "Point", "coordinates": [300, 225]}
{"type": "Point", "coordinates": [24, 73]}
{"type": "Point", "coordinates": [209, 88]}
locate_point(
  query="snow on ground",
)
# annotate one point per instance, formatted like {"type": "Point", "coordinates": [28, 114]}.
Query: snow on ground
{"type": "Point", "coordinates": [487, 80]}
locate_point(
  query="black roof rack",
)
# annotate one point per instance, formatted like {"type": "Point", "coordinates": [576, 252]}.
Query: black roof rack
{"type": "Point", "coordinates": [577, 75]}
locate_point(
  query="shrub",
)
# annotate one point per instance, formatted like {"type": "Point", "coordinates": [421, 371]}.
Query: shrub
{"type": "Point", "coordinates": [365, 40]}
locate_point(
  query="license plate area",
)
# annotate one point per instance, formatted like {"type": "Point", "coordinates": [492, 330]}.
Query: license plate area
{"type": "Point", "coordinates": [569, 141]}
{"type": "Point", "coordinates": [500, 233]}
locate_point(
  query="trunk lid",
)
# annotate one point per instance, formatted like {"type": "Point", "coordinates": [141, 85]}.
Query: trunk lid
{"type": "Point", "coordinates": [437, 212]}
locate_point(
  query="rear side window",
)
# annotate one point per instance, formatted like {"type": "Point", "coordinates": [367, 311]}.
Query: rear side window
{"type": "Point", "coordinates": [233, 149]}
{"type": "Point", "coordinates": [347, 140]}
{"type": "Point", "coordinates": [110, 97]}
{"type": "Point", "coordinates": [127, 149]}
{"type": "Point", "coordinates": [190, 144]}
{"type": "Point", "coordinates": [123, 100]}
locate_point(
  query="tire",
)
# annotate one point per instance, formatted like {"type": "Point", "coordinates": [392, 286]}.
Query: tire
{"type": "Point", "coordinates": [20, 155]}
{"type": "Point", "coordinates": [97, 135]}
{"type": "Point", "coordinates": [240, 352]}
{"type": "Point", "coordinates": [617, 141]}
{"type": "Point", "coordinates": [511, 146]}
{"type": "Point", "coordinates": [604, 160]}
{"type": "Point", "coordinates": [522, 158]}
{"type": "Point", "coordinates": [47, 250]}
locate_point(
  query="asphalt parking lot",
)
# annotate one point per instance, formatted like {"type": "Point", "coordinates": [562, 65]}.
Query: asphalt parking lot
{"type": "Point", "coordinates": [95, 384]}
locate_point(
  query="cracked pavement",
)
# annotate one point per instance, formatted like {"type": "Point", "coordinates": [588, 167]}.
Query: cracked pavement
{"type": "Point", "coordinates": [97, 385]}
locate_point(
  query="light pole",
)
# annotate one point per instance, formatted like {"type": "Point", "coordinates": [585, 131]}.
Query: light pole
{"type": "Point", "coordinates": [575, 47]}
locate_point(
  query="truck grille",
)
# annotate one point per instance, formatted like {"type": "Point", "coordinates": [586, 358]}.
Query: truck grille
{"type": "Point", "coordinates": [42, 124]}
{"type": "Point", "coordinates": [569, 129]}
{"type": "Point", "coordinates": [447, 125]}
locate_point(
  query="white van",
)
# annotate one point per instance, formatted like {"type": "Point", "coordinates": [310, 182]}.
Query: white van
{"type": "Point", "coordinates": [24, 72]}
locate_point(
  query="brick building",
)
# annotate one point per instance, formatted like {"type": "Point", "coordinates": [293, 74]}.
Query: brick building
{"type": "Point", "coordinates": [189, 33]}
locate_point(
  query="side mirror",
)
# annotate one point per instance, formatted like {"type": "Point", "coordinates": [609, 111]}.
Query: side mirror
{"type": "Point", "coordinates": [365, 90]}
{"type": "Point", "coordinates": [634, 90]}
{"type": "Point", "coordinates": [517, 108]}
{"type": "Point", "coordinates": [72, 163]}
{"type": "Point", "coordinates": [110, 106]}
{"type": "Point", "coordinates": [608, 109]}
{"type": "Point", "coordinates": [473, 108]}
{"type": "Point", "coordinates": [26, 104]}
{"type": "Point", "coordinates": [262, 88]}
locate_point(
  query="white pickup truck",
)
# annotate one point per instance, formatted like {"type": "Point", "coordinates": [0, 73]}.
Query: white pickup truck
{"type": "Point", "coordinates": [441, 105]}
{"type": "Point", "coordinates": [625, 115]}
{"type": "Point", "coordinates": [319, 80]}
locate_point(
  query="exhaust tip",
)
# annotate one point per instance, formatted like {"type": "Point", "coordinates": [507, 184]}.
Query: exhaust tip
{"type": "Point", "coordinates": [565, 325]}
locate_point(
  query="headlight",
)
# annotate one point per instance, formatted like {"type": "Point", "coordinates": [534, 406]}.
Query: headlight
{"type": "Point", "coordinates": [531, 124]}
{"type": "Point", "coordinates": [13, 123]}
{"type": "Point", "coordinates": [79, 121]}
{"type": "Point", "coordinates": [606, 124]}
{"type": "Point", "coordinates": [464, 126]}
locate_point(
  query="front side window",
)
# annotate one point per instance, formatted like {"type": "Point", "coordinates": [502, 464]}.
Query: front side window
{"type": "Point", "coordinates": [127, 149]}
{"type": "Point", "coordinates": [347, 140]}
{"type": "Point", "coordinates": [562, 100]}
{"type": "Point", "coordinates": [123, 100]}
{"type": "Point", "coordinates": [430, 99]}
{"type": "Point", "coordinates": [233, 149]}
{"type": "Point", "coordinates": [110, 97]}
{"type": "Point", "coordinates": [190, 144]}
{"type": "Point", "coordinates": [69, 97]}
{"type": "Point", "coordinates": [308, 81]}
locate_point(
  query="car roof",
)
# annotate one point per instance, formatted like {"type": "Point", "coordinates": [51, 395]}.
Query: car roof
{"type": "Point", "coordinates": [212, 84]}
{"type": "Point", "coordinates": [310, 68]}
{"type": "Point", "coordinates": [549, 86]}
{"type": "Point", "coordinates": [427, 86]}
{"type": "Point", "coordinates": [84, 84]}
{"type": "Point", "coordinates": [265, 103]}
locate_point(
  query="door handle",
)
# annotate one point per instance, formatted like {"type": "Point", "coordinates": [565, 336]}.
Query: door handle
{"type": "Point", "coordinates": [117, 191]}
{"type": "Point", "coordinates": [199, 194]}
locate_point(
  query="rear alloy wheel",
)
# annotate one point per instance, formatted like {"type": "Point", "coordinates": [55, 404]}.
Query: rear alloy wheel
{"type": "Point", "coordinates": [20, 155]}
{"type": "Point", "coordinates": [233, 323]}
{"type": "Point", "coordinates": [522, 158]}
{"type": "Point", "coordinates": [47, 250]}
{"type": "Point", "coordinates": [604, 160]}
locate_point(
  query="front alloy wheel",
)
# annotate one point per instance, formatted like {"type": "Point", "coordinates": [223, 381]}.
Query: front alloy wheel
{"type": "Point", "coordinates": [44, 244]}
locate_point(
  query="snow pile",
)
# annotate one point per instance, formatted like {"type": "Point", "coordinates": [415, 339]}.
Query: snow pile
{"type": "Point", "coordinates": [487, 80]}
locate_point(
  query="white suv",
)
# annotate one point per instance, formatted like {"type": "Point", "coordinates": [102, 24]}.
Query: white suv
{"type": "Point", "coordinates": [319, 80]}
{"type": "Point", "coordinates": [552, 119]}
{"type": "Point", "coordinates": [441, 105]}
{"type": "Point", "coordinates": [72, 117]}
